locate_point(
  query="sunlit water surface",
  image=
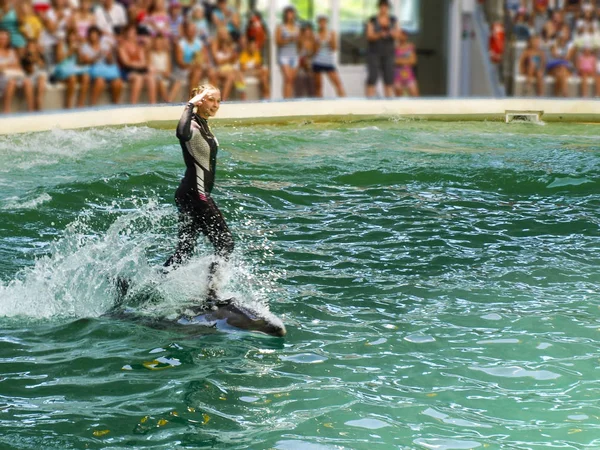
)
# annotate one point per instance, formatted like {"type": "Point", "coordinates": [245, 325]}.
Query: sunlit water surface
{"type": "Point", "coordinates": [439, 283]}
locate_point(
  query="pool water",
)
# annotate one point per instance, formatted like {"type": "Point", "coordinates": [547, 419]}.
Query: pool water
{"type": "Point", "coordinates": [439, 283]}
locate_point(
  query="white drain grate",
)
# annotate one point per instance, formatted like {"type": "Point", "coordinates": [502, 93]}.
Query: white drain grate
{"type": "Point", "coordinates": [523, 116]}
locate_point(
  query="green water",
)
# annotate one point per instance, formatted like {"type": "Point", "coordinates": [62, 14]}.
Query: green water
{"type": "Point", "coordinates": [439, 283]}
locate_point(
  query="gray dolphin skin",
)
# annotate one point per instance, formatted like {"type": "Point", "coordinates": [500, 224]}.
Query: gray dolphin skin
{"type": "Point", "coordinates": [234, 315]}
{"type": "Point", "coordinates": [197, 314]}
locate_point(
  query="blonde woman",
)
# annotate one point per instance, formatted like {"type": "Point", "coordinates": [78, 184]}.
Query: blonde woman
{"type": "Point", "coordinates": [198, 212]}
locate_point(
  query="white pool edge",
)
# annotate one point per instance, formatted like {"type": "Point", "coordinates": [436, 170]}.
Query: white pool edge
{"type": "Point", "coordinates": [567, 110]}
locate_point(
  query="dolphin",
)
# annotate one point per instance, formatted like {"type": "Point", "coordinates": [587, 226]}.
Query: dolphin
{"type": "Point", "coordinates": [210, 313]}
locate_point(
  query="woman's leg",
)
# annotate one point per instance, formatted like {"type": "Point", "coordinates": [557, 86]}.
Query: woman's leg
{"type": "Point", "coordinates": [151, 86]}
{"type": "Point", "coordinates": [372, 74]}
{"type": "Point", "coordinates": [29, 95]}
{"type": "Point", "coordinates": [413, 89]}
{"type": "Point", "coordinates": [228, 79]}
{"type": "Point", "coordinates": [161, 89]}
{"type": "Point", "coordinates": [264, 82]}
{"type": "Point", "coordinates": [540, 82]}
{"type": "Point", "coordinates": [175, 88]}
{"type": "Point", "coordinates": [318, 77]}
{"type": "Point", "coordinates": [289, 78]}
{"type": "Point", "coordinates": [71, 83]}
{"type": "Point", "coordinates": [584, 84]}
{"type": "Point", "coordinates": [135, 85]}
{"type": "Point", "coordinates": [335, 79]}
{"type": "Point", "coordinates": [84, 87]}
{"type": "Point", "coordinates": [97, 87]}
{"type": "Point", "coordinates": [9, 93]}
{"type": "Point", "coordinates": [40, 90]}
{"type": "Point", "coordinates": [116, 86]}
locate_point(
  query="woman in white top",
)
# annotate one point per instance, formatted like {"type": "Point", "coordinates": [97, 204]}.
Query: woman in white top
{"type": "Point", "coordinates": [286, 37]}
{"type": "Point", "coordinates": [324, 59]}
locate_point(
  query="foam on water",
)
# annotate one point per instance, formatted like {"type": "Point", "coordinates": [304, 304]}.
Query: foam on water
{"type": "Point", "coordinates": [77, 278]}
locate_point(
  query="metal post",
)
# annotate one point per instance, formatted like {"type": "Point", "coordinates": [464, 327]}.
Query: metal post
{"type": "Point", "coordinates": [454, 50]}
{"type": "Point", "coordinates": [275, 75]}
{"type": "Point", "coordinates": [335, 26]}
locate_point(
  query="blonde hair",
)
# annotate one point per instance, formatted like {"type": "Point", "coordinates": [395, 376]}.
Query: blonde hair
{"type": "Point", "coordinates": [203, 87]}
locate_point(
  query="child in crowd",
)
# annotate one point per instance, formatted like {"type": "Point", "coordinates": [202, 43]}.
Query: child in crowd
{"type": "Point", "coordinates": [160, 66]}
{"type": "Point", "coordinates": [196, 15]}
{"type": "Point", "coordinates": [256, 30]}
{"type": "Point", "coordinates": [406, 59]}
{"type": "Point", "coordinates": [98, 54]}
{"type": "Point", "coordinates": [69, 71]}
{"type": "Point", "coordinates": [83, 18]}
{"type": "Point", "coordinates": [251, 65]}
{"type": "Point", "coordinates": [226, 60]}
{"type": "Point", "coordinates": [158, 20]}
{"type": "Point", "coordinates": [305, 80]}
{"type": "Point", "coordinates": [586, 67]}
{"type": "Point", "coordinates": [134, 65]}
{"type": "Point", "coordinates": [532, 64]}
{"type": "Point", "coordinates": [30, 24]}
{"type": "Point", "coordinates": [35, 70]}
{"type": "Point", "coordinates": [176, 20]}
{"type": "Point", "coordinates": [11, 72]}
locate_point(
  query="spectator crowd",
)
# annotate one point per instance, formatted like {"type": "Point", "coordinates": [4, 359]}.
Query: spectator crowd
{"type": "Point", "coordinates": [562, 40]}
{"type": "Point", "coordinates": [161, 47]}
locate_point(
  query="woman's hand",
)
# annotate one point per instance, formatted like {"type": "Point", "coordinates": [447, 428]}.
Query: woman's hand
{"type": "Point", "coordinates": [197, 99]}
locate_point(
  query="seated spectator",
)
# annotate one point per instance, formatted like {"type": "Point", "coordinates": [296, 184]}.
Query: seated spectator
{"type": "Point", "coordinates": [176, 19]}
{"type": "Point", "coordinates": [323, 60]}
{"type": "Point", "coordinates": [161, 68]}
{"type": "Point", "coordinates": [9, 21]}
{"type": "Point", "coordinates": [227, 16]}
{"type": "Point", "coordinates": [158, 20]}
{"type": "Point", "coordinates": [111, 18]}
{"type": "Point", "coordinates": [540, 14]}
{"type": "Point", "coordinates": [532, 64]}
{"type": "Point", "coordinates": [196, 15]}
{"type": "Point", "coordinates": [30, 25]}
{"type": "Point", "coordinates": [406, 60]}
{"type": "Point", "coordinates": [522, 30]}
{"type": "Point", "coordinates": [35, 71]}
{"type": "Point", "coordinates": [572, 8]}
{"type": "Point", "coordinates": [251, 65]}
{"type": "Point", "coordinates": [12, 75]}
{"type": "Point", "coordinates": [134, 65]}
{"type": "Point", "coordinates": [256, 30]}
{"type": "Point", "coordinates": [587, 68]}
{"type": "Point", "coordinates": [558, 64]}
{"type": "Point", "coordinates": [191, 58]}
{"type": "Point", "coordinates": [83, 18]}
{"type": "Point", "coordinates": [226, 58]}
{"type": "Point", "coordinates": [55, 20]}
{"type": "Point", "coordinates": [103, 66]}
{"type": "Point", "coordinates": [69, 71]}
{"type": "Point", "coordinates": [138, 12]}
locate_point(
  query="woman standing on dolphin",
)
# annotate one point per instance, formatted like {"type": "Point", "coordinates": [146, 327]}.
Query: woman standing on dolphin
{"type": "Point", "coordinates": [198, 213]}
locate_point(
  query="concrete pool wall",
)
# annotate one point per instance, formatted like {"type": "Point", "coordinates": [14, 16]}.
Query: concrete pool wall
{"type": "Point", "coordinates": [562, 110]}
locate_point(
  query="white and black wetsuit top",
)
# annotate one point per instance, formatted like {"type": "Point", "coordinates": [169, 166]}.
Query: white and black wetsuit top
{"type": "Point", "coordinates": [200, 148]}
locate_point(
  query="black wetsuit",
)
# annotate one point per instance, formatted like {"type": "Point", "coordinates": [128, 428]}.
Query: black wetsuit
{"type": "Point", "coordinates": [197, 210]}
